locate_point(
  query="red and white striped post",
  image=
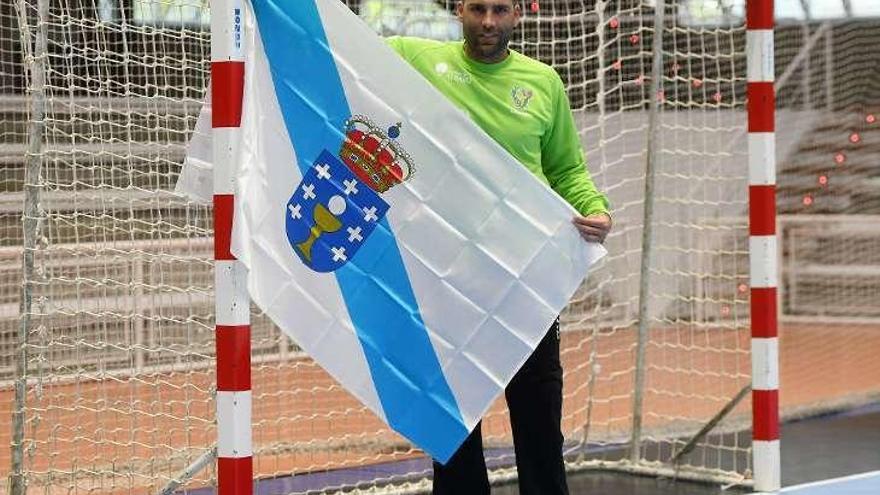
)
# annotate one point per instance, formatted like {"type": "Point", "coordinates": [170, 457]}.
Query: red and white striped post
{"type": "Point", "coordinates": [762, 245]}
{"type": "Point", "coordinates": [232, 304]}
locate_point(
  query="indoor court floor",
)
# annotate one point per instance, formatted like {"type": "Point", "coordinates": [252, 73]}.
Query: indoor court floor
{"type": "Point", "coordinates": [835, 454]}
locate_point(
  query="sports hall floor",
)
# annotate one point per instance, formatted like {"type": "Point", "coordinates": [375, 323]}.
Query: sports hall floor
{"type": "Point", "coordinates": [831, 446]}
{"type": "Point", "coordinates": [816, 454]}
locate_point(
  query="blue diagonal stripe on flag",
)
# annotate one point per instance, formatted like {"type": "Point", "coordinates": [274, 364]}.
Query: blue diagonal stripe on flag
{"type": "Point", "coordinates": [378, 295]}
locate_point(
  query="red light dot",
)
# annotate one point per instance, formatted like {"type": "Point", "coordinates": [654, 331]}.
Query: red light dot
{"type": "Point", "coordinates": [823, 180]}
{"type": "Point", "coordinates": [698, 83]}
{"type": "Point", "coordinates": [634, 39]}
{"type": "Point", "coordinates": [725, 310]}
{"type": "Point", "coordinates": [535, 7]}
{"type": "Point", "coordinates": [839, 158]}
{"type": "Point", "coordinates": [808, 200]}
{"type": "Point", "coordinates": [614, 23]}
{"type": "Point", "coordinates": [855, 138]}
{"type": "Point", "coordinates": [717, 96]}
{"type": "Point", "coordinates": [617, 64]}
{"type": "Point", "coordinates": [870, 118]}
{"type": "Point", "coordinates": [639, 80]}
{"type": "Point", "coordinates": [742, 287]}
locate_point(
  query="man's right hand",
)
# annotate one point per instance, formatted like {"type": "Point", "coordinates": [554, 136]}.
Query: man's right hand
{"type": "Point", "coordinates": [593, 228]}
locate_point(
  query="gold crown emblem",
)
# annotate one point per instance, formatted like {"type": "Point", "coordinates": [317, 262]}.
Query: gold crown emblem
{"type": "Point", "coordinates": [374, 155]}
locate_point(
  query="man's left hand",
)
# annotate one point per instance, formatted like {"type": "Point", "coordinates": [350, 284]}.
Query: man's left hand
{"type": "Point", "coordinates": [593, 228]}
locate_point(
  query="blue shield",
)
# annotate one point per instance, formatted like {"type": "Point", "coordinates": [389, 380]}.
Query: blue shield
{"type": "Point", "coordinates": [330, 214]}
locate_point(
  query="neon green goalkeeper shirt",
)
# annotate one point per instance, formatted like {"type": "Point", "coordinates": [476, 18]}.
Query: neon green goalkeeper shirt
{"type": "Point", "coordinates": [521, 103]}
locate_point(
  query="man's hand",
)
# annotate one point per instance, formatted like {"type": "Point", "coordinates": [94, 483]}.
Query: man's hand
{"type": "Point", "coordinates": [593, 228]}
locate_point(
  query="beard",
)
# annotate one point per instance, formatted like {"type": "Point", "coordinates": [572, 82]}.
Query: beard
{"type": "Point", "coordinates": [487, 50]}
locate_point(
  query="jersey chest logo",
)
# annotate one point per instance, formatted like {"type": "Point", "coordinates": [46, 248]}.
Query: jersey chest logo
{"type": "Point", "coordinates": [521, 97]}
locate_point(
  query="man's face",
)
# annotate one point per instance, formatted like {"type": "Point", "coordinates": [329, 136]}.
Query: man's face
{"type": "Point", "coordinates": [488, 26]}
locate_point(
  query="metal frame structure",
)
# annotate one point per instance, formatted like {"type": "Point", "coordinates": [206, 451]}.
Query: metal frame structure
{"type": "Point", "coordinates": [31, 224]}
{"type": "Point", "coordinates": [763, 250]}
{"type": "Point", "coordinates": [232, 305]}
{"type": "Point", "coordinates": [234, 452]}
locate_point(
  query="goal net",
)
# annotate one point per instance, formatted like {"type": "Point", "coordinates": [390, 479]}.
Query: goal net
{"type": "Point", "coordinates": [106, 285]}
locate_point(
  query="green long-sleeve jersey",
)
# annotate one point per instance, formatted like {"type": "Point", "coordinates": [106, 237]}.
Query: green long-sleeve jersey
{"type": "Point", "coordinates": [519, 102]}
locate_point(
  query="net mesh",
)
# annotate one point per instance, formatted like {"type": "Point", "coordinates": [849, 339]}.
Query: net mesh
{"type": "Point", "coordinates": [110, 332]}
{"type": "Point", "coordinates": [829, 200]}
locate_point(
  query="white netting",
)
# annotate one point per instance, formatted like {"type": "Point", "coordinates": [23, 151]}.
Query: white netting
{"type": "Point", "coordinates": [829, 205]}
{"type": "Point", "coordinates": [115, 347]}
{"type": "Point", "coordinates": [117, 306]}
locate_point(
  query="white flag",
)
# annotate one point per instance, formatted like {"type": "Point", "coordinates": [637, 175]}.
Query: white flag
{"type": "Point", "coordinates": [391, 238]}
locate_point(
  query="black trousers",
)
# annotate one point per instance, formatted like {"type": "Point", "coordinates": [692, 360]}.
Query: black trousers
{"type": "Point", "coordinates": [534, 398]}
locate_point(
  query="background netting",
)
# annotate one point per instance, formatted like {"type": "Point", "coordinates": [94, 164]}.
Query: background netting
{"type": "Point", "coordinates": [106, 286]}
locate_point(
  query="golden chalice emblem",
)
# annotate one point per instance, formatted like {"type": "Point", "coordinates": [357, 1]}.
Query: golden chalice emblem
{"type": "Point", "coordinates": [325, 223]}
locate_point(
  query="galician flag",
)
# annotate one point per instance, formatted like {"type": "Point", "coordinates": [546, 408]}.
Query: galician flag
{"type": "Point", "coordinates": [384, 232]}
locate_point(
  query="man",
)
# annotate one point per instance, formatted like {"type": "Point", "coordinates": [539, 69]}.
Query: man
{"type": "Point", "coordinates": [522, 104]}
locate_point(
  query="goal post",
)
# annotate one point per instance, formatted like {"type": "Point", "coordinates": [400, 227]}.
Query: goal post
{"type": "Point", "coordinates": [763, 245]}
{"type": "Point", "coordinates": [234, 399]}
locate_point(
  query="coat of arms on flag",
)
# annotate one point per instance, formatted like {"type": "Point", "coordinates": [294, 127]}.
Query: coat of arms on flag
{"type": "Point", "coordinates": [337, 204]}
